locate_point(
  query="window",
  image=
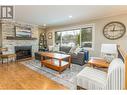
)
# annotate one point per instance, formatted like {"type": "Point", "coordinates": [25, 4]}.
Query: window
{"type": "Point", "coordinates": [68, 38]}
{"type": "Point", "coordinates": [86, 37]}
{"type": "Point", "coordinates": [58, 38]}
{"type": "Point", "coordinates": [80, 36]}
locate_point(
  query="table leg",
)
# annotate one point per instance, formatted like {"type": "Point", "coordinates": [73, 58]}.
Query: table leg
{"type": "Point", "coordinates": [51, 60]}
{"type": "Point", "coordinates": [2, 60]}
{"type": "Point", "coordinates": [92, 66]}
{"type": "Point", "coordinates": [15, 59]}
{"type": "Point", "coordinates": [59, 71]}
{"type": "Point", "coordinates": [7, 60]}
{"type": "Point", "coordinates": [41, 64]}
{"type": "Point", "coordinates": [60, 62]}
{"type": "Point", "coordinates": [60, 66]}
{"type": "Point", "coordinates": [69, 61]}
{"type": "Point", "coordinates": [42, 58]}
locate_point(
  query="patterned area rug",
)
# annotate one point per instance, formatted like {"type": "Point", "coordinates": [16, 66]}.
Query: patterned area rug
{"type": "Point", "coordinates": [67, 78]}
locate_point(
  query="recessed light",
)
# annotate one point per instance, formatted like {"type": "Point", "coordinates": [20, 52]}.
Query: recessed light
{"type": "Point", "coordinates": [70, 16]}
{"type": "Point", "coordinates": [44, 24]}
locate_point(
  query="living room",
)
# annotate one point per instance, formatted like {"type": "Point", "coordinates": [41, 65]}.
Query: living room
{"type": "Point", "coordinates": [58, 45]}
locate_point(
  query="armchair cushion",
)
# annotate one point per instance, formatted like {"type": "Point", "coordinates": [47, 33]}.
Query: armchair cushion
{"type": "Point", "coordinates": [90, 78]}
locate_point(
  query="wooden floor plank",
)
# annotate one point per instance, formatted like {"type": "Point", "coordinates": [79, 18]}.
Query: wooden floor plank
{"type": "Point", "coordinates": [18, 76]}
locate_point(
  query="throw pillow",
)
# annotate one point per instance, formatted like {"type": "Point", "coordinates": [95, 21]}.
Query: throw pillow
{"type": "Point", "coordinates": [72, 50]}
{"type": "Point", "coordinates": [56, 48]}
{"type": "Point", "coordinates": [109, 58]}
{"type": "Point", "coordinates": [78, 49]}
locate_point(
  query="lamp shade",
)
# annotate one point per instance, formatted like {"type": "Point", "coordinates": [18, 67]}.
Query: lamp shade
{"type": "Point", "coordinates": [109, 48]}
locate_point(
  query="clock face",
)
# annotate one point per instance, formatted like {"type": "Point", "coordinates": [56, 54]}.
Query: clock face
{"type": "Point", "coordinates": [114, 30]}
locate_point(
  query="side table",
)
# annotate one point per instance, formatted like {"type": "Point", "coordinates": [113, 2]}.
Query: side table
{"type": "Point", "coordinates": [98, 63]}
{"type": "Point", "coordinates": [7, 56]}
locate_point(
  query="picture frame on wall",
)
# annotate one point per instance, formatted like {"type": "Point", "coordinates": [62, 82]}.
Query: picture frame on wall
{"type": "Point", "coordinates": [49, 35]}
{"type": "Point", "coordinates": [23, 32]}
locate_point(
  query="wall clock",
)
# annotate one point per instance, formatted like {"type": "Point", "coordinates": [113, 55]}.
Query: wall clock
{"type": "Point", "coordinates": [114, 30]}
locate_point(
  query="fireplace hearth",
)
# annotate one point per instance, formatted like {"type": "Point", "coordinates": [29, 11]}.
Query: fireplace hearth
{"type": "Point", "coordinates": [23, 52]}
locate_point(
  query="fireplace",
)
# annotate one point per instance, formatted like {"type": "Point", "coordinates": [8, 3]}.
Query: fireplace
{"type": "Point", "coordinates": [23, 52]}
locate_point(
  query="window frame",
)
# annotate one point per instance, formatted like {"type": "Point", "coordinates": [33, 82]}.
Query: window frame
{"type": "Point", "coordinates": [79, 27]}
{"type": "Point", "coordinates": [65, 31]}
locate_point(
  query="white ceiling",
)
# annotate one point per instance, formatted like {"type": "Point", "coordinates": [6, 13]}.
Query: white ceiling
{"type": "Point", "coordinates": [56, 15]}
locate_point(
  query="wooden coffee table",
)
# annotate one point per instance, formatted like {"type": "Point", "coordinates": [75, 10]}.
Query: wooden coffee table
{"type": "Point", "coordinates": [55, 61]}
{"type": "Point", "coordinates": [98, 63]}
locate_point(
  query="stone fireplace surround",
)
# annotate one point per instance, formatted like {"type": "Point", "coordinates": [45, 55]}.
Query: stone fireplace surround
{"type": "Point", "coordinates": [8, 30]}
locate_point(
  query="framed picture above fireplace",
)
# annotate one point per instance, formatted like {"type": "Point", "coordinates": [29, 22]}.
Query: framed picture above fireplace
{"type": "Point", "coordinates": [23, 32]}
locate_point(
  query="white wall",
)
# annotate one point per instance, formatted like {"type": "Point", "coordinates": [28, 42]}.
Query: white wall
{"type": "Point", "coordinates": [99, 38]}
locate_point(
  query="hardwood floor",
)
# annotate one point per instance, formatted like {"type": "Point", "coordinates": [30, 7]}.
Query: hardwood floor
{"type": "Point", "coordinates": [18, 76]}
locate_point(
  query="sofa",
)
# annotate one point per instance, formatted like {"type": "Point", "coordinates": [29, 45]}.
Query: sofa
{"type": "Point", "coordinates": [75, 58]}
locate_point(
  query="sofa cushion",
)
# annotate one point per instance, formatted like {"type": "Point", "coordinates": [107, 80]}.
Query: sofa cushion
{"type": "Point", "coordinates": [65, 49]}
{"type": "Point", "coordinates": [73, 55]}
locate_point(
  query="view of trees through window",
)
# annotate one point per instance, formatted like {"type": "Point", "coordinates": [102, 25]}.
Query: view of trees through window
{"type": "Point", "coordinates": [82, 37]}
{"type": "Point", "coordinates": [58, 37]}
{"type": "Point", "coordinates": [70, 38]}
{"type": "Point", "coordinates": [86, 37]}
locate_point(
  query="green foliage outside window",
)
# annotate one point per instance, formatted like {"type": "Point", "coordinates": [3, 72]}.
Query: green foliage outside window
{"type": "Point", "coordinates": [81, 37]}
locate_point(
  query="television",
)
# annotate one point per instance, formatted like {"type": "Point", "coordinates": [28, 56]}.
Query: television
{"type": "Point", "coordinates": [22, 32]}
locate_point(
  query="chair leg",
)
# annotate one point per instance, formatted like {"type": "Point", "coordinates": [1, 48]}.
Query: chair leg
{"type": "Point", "coordinates": [2, 60]}
{"type": "Point", "coordinates": [78, 87]}
{"type": "Point", "coordinates": [15, 59]}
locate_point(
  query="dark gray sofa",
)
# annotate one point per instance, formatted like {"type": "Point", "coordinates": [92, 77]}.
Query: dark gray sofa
{"type": "Point", "coordinates": [75, 58]}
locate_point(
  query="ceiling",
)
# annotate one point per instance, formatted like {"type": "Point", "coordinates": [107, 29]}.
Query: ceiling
{"type": "Point", "coordinates": [57, 15]}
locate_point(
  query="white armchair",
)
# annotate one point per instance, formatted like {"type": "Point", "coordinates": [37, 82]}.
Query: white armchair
{"type": "Point", "coordinates": [93, 79]}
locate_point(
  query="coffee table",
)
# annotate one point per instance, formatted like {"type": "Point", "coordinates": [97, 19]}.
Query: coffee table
{"type": "Point", "coordinates": [55, 61]}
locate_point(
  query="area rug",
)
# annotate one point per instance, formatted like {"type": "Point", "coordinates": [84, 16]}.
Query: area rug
{"type": "Point", "coordinates": [66, 78]}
